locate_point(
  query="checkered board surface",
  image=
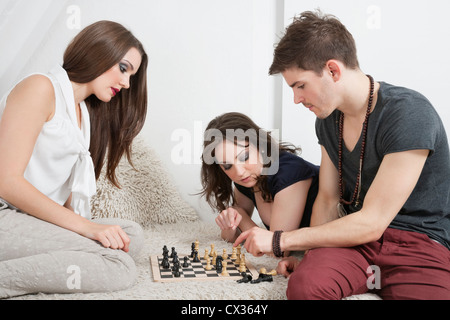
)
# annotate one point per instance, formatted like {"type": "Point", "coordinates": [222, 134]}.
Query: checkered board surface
{"type": "Point", "coordinates": [196, 270]}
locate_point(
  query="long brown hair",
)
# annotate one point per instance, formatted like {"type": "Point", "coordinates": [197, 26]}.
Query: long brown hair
{"type": "Point", "coordinates": [114, 124]}
{"type": "Point", "coordinates": [217, 186]}
{"type": "Point", "coordinates": [311, 40]}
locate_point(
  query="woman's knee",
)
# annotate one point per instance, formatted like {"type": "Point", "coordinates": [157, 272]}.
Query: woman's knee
{"type": "Point", "coordinates": [120, 272]}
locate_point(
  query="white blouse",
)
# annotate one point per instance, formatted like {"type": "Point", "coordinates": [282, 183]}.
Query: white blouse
{"type": "Point", "coordinates": [61, 163]}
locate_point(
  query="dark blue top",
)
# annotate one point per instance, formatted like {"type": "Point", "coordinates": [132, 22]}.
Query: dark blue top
{"type": "Point", "coordinates": [291, 169]}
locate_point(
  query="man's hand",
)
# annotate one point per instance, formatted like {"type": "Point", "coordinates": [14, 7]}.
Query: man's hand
{"type": "Point", "coordinates": [257, 241]}
{"type": "Point", "coordinates": [287, 266]}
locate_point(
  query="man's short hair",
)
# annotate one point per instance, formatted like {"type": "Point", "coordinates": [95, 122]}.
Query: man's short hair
{"type": "Point", "coordinates": [311, 40]}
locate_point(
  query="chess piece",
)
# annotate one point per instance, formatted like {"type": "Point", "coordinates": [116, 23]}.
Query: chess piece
{"type": "Point", "coordinates": [245, 278]}
{"type": "Point", "coordinates": [176, 266]}
{"type": "Point", "coordinates": [233, 254]}
{"type": "Point", "coordinates": [173, 252]}
{"type": "Point", "coordinates": [224, 271]}
{"type": "Point", "coordinates": [165, 262]}
{"type": "Point", "coordinates": [224, 255]}
{"type": "Point", "coordinates": [185, 263]}
{"type": "Point", "coordinates": [196, 259]}
{"type": "Point", "coordinates": [196, 245]}
{"type": "Point", "coordinates": [214, 258]}
{"type": "Point", "coordinates": [165, 250]}
{"type": "Point", "coordinates": [273, 272]}
{"type": "Point", "coordinates": [212, 250]}
{"type": "Point", "coordinates": [206, 254]}
{"type": "Point", "coordinates": [219, 264]}
{"type": "Point", "coordinates": [192, 249]}
{"type": "Point", "coordinates": [242, 266]}
{"type": "Point", "coordinates": [208, 264]}
{"type": "Point", "coordinates": [263, 276]}
{"type": "Point", "coordinates": [238, 254]}
{"type": "Point", "coordinates": [176, 270]}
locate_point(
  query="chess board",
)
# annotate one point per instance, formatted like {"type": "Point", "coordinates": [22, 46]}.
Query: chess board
{"type": "Point", "coordinates": [196, 271]}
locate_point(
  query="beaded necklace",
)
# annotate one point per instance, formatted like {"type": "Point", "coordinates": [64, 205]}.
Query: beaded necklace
{"type": "Point", "coordinates": [355, 197]}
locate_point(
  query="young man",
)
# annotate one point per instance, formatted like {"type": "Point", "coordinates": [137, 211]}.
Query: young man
{"type": "Point", "coordinates": [384, 185]}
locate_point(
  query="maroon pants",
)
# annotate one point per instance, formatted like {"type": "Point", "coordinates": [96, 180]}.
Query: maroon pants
{"type": "Point", "coordinates": [400, 265]}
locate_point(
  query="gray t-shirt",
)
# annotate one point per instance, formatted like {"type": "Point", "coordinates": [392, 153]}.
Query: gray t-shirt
{"type": "Point", "coordinates": [402, 120]}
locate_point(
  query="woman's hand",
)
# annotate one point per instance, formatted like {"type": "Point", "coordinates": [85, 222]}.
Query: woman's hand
{"type": "Point", "coordinates": [229, 219]}
{"type": "Point", "coordinates": [110, 236]}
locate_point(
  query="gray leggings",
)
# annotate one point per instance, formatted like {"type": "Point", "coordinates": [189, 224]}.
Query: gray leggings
{"type": "Point", "coordinates": [37, 256]}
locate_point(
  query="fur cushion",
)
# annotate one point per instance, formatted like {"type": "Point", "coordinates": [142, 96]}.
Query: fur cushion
{"type": "Point", "coordinates": [147, 195]}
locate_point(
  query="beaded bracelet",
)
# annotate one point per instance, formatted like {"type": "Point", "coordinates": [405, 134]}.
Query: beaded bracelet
{"type": "Point", "coordinates": [276, 248]}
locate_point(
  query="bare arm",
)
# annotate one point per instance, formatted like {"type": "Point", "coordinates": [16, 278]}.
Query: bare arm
{"type": "Point", "coordinates": [393, 184]}
{"type": "Point", "coordinates": [289, 205]}
{"type": "Point", "coordinates": [235, 219]}
{"type": "Point", "coordinates": [29, 106]}
{"type": "Point", "coordinates": [324, 209]}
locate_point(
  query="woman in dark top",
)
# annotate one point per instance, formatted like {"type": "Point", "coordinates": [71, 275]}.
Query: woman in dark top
{"type": "Point", "coordinates": [266, 175]}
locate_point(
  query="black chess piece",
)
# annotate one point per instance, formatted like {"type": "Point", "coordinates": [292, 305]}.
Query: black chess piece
{"type": "Point", "coordinates": [176, 266]}
{"type": "Point", "coordinates": [196, 259]}
{"type": "Point", "coordinates": [165, 250]}
{"type": "Point", "coordinates": [185, 263]}
{"type": "Point", "coordinates": [193, 249]}
{"type": "Point", "coordinates": [263, 277]}
{"type": "Point", "coordinates": [173, 253]}
{"type": "Point", "coordinates": [165, 263]}
{"type": "Point", "coordinates": [176, 270]}
{"type": "Point", "coordinates": [219, 265]}
{"type": "Point", "coordinates": [245, 278]}
{"type": "Point", "coordinates": [175, 258]}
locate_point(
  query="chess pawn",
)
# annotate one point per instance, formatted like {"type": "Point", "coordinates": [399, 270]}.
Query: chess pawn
{"type": "Point", "coordinates": [165, 263]}
{"type": "Point", "coordinates": [208, 264]}
{"type": "Point", "coordinates": [185, 263]}
{"type": "Point", "coordinates": [214, 258]}
{"type": "Point", "coordinates": [242, 267]}
{"type": "Point", "coordinates": [224, 270]}
{"type": "Point", "coordinates": [206, 254]}
{"type": "Point", "coordinates": [273, 272]}
{"type": "Point", "coordinates": [212, 250]}
{"type": "Point", "coordinates": [196, 259]}
{"type": "Point", "coordinates": [233, 254]}
{"type": "Point", "coordinates": [224, 255]}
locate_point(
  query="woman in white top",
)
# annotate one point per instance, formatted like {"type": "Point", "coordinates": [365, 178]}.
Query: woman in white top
{"type": "Point", "coordinates": [57, 131]}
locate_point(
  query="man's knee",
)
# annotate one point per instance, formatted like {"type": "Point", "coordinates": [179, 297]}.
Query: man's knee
{"type": "Point", "coordinates": [310, 285]}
